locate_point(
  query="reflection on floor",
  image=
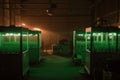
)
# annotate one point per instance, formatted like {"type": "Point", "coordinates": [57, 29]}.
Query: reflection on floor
{"type": "Point", "coordinates": [54, 67]}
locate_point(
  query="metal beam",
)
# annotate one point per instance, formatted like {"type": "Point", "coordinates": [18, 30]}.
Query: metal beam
{"type": "Point", "coordinates": [72, 15]}
{"type": "Point", "coordinates": [45, 8]}
{"type": "Point", "coordinates": [36, 3]}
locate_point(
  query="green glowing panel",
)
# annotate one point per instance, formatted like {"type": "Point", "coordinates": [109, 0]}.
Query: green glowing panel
{"type": "Point", "coordinates": [79, 42]}
{"type": "Point", "coordinates": [104, 42]}
{"type": "Point", "coordinates": [79, 45]}
{"type": "Point", "coordinates": [87, 41]}
{"type": "Point", "coordinates": [10, 43]}
{"type": "Point", "coordinates": [35, 46]}
{"type": "Point", "coordinates": [25, 41]}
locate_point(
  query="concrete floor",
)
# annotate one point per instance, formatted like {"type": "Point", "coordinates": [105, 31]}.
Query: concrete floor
{"type": "Point", "coordinates": [54, 67]}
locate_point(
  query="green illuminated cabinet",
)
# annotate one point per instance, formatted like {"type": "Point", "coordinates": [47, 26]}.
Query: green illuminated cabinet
{"type": "Point", "coordinates": [102, 45]}
{"type": "Point", "coordinates": [78, 46]}
{"type": "Point", "coordinates": [14, 56]}
{"type": "Point", "coordinates": [35, 46]}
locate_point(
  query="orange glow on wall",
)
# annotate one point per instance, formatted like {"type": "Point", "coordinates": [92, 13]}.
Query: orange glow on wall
{"type": "Point", "coordinates": [37, 29]}
{"type": "Point", "coordinates": [23, 24]}
{"type": "Point", "coordinates": [88, 29]}
{"type": "Point", "coordinates": [118, 26]}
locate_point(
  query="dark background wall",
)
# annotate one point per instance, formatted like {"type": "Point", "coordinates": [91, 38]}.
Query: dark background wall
{"type": "Point", "coordinates": [106, 9]}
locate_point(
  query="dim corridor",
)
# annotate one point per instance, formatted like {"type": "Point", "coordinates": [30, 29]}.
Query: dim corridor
{"type": "Point", "coordinates": [54, 67]}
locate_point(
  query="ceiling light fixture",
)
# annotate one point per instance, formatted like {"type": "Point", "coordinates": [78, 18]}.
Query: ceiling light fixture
{"type": "Point", "coordinates": [52, 7]}
{"type": "Point", "coordinates": [49, 12]}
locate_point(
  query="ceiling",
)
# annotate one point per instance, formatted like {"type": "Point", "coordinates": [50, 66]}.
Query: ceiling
{"type": "Point", "coordinates": [67, 14]}
{"type": "Point", "coordinates": [62, 7]}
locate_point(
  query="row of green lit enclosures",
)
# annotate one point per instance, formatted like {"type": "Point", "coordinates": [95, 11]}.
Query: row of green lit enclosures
{"type": "Point", "coordinates": [96, 48]}
{"type": "Point", "coordinates": [18, 48]}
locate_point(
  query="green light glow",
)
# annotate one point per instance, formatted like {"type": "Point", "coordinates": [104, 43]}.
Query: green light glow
{"type": "Point", "coordinates": [112, 34]}
{"type": "Point", "coordinates": [24, 35]}
{"type": "Point", "coordinates": [17, 34]}
{"type": "Point", "coordinates": [32, 34]}
{"type": "Point", "coordinates": [94, 34]}
{"type": "Point", "coordinates": [80, 34]}
{"type": "Point", "coordinates": [99, 34]}
{"type": "Point", "coordinates": [11, 34]}
{"type": "Point", "coordinates": [87, 36]}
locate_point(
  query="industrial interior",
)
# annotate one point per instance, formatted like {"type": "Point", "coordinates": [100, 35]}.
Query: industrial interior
{"type": "Point", "coordinates": [60, 39]}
